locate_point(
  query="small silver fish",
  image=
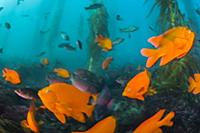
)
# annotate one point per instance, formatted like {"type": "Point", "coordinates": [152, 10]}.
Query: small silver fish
{"type": "Point", "coordinates": [129, 29]}
{"type": "Point", "coordinates": [118, 40]}
{"type": "Point", "coordinates": [67, 46]}
{"type": "Point", "coordinates": [64, 36]}
{"type": "Point", "coordinates": [79, 44]}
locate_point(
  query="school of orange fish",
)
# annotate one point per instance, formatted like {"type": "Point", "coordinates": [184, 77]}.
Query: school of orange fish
{"type": "Point", "coordinates": [65, 100]}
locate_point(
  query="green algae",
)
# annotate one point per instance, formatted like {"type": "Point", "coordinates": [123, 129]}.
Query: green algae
{"type": "Point", "coordinates": [98, 24]}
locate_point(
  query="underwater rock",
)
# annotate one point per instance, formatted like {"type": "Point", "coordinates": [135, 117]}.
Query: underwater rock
{"type": "Point", "coordinates": [9, 126]}
{"type": "Point", "coordinates": [15, 112]}
{"type": "Point", "coordinates": [128, 113]}
{"type": "Point", "coordinates": [185, 105]}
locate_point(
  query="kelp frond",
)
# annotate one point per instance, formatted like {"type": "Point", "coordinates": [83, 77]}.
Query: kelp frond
{"type": "Point", "coordinates": [170, 15]}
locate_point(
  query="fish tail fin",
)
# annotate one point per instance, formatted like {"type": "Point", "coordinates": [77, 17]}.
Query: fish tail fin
{"type": "Point", "coordinates": [99, 38]}
{"type": "Point", "coordinates": [152, 56]}
{"type": "Point", "coordinates": [4, 72]}
{"type": "Point", "coordinates": [24, 124]}
{"type": "Point", "coordinates": [192, 84]}
{"type": "Point", "coordinates": [167, 121]}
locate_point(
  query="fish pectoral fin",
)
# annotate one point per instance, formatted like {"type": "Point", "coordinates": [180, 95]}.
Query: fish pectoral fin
{"type": "Point", "coordinates": [158, 130]}
{"type": "Point", "coordinates": [142, 90]}
{"type": "Point", "coordinates": [24, 124]}
{"type": "Point", "coordinates": [166, 59]}
{"type": "Point", "coordinates": [180, 43]}
{"type": "Point", "coordinates": [167, 121]}
{"type": "Point", "coordinates": [140, 97]}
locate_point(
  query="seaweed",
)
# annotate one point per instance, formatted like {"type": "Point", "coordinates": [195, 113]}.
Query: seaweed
{"type": "Point", "coordinates": [98, 25]}
{"type": "Point", "coordinates": [171, 80]}
{"type": "Point", "coordinates": [175, 75]}
{"type": "Point", "coordinates": [170, 14]}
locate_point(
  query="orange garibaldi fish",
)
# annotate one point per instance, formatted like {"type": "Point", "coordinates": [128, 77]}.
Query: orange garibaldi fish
{"type": "Point", "coordinates": [66, 100]}
{"type": "Point", "coordinates": [194, 84]}
{"type": "Point", "coordinates": [107, 125]}
{"type": "Point", "coordinates": [31, 123]}
{"type": "Point", "coordinates": [11, 76]}
{"type": "Point", "coordinates": [138, 86]}
{"type": "Point", "coordinates": [104, 42]}
{"type": "Point", "coordinates": [106, 63]}
{"type": "Point", "coordinates": [153, 124]}
{"type": "Point", "coordinates": [62, 72]}
{"type": "Point", "coordinates": [173, 44]}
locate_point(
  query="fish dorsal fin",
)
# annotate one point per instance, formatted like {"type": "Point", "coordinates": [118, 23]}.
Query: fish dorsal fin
{"type": "Point", "coordinates": [155, 41]}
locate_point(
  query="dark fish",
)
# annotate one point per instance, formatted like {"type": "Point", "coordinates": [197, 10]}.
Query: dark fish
{"type": "Point", "coordinates": [198, 11]}
{"type": "Point", "coordinates": [19, 2]}
{"type": "Point", "coordinates": [1, 8]}
{"type": "Point", "coordinates": [79, 44]}
{"type": "Point", "coordinates": [104, 97]}
{"type": "Point", "coordinates": [104, 102]}
{"type": "Point", "coordinates": [67, 46]}
{"type": "Point", "coordinates": [52, 79]}
{"type": "Point", "coordinates": [1, 50]}
{"type": "Point", "coordinates": [118, 17]}
{"type": "Point", "coordinates": [86, 81]}
{"type": "Point", "coordinates": [64, 36]}
{"type": "Point", "coordinates": [7, 25]}
{"type": "Point", "coordinates": [94, 6]}
{"type": "Point", "coordinates": [27, 93]}
{"type": "Point", "coordinates": [41, 54]}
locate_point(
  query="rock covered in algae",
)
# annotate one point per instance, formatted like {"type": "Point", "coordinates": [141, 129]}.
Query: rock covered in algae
{"type": "Point", "coordinates": [127, 113]}
{"type": "Point", "coordinates": [8, 126]}
{"type": "Point", "coordinates": [185, 105]}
